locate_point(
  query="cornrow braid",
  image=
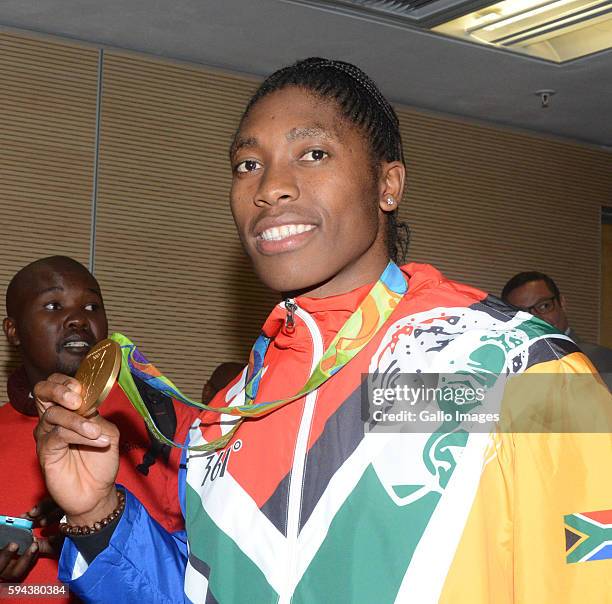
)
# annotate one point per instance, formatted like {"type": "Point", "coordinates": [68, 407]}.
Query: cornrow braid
{"type": "Point", "coordinates": [364, 81]}
{"type": "Point", "coordinates": [361, 103]}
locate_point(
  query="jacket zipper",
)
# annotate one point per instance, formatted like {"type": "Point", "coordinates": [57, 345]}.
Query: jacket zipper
{"type": "Point", "coordinates": [290, 307]}
{"type": "Point", "coordinates": [296, 480]}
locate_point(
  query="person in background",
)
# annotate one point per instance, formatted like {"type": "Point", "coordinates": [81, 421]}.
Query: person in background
{"type": "Point", "coordinates": [538, 294]}
{"type": "Point", "coordinates": [223, 374]}
{"type": "Point", "coordinates": [55, 314]}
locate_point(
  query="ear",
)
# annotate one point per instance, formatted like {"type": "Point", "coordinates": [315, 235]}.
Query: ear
{"type": "Point", "coordinates": [391, 185]}
{"type": "Point", "coordinates": [9, 325]}
{"type": "Point", "coordinates": [563, 302]}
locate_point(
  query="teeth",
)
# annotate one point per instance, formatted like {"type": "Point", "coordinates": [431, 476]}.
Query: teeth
{"type": "Point", "coordinates": [287, 230]}
{"type": "Point", "coordinates": [79, 344]}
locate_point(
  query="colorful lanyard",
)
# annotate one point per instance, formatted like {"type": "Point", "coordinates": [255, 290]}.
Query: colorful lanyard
{"type": "Point", "coordinates": [352, 337]}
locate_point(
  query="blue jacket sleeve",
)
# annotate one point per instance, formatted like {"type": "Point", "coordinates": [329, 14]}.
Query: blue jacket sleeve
{"type": "Point", "coordinates": [142, 563]}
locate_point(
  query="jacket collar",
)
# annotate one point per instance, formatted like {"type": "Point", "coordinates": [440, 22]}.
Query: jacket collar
{"type": "Point", "coordinates": [329, 314]}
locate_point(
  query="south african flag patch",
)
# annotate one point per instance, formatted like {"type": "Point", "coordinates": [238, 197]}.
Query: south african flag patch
{"type": "Point", "coordinates": [588, 536]}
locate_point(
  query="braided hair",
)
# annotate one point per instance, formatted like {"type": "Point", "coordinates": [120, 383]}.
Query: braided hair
{"type": "Point", "coordinates": [361, 103]}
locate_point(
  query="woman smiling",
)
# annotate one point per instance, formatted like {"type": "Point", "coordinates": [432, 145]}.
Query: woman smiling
{"type": "Point", "coordinates": [286, 496]}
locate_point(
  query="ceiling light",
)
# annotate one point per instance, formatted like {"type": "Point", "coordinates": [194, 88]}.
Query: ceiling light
{"type": "Point", "coordinates": [556, 30]}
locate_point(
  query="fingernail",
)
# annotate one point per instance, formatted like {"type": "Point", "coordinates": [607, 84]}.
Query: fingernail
{"type": "Point", "coordinates": [103, 439]}
{"type": "Point", "coordinates": [72, 398]}
{"type": "Point", "coordinates": [90, 428]}
{"type": "Point", "coordinates": [13, 547]}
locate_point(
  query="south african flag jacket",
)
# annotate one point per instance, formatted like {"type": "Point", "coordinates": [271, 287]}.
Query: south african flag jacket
{"type": "Point", "coordinates": [305, 506]}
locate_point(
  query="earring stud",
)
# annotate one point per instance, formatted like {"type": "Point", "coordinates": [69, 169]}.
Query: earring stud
{"type": "Point", "coordinates": [390, 200]}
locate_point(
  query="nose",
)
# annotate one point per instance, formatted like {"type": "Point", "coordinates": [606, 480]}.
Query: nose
{"type": "Point", "coordinates": [77, 319]}
{"type": "Point", "coordinates": [276, 184]}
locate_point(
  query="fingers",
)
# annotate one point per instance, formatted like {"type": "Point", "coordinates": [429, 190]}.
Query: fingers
{"type": "Point", "coordinates": [13, 569]}
{"type": "Point", "coordinates": [45, 512]}
{"type": "Point", "coordinates": [6, 555]}
{"type": "Point", "coordinates": [19, 567]}
{"type": "Point", "coordinates": [57, 389]}
{"type": "Point", "coordinates": [42, 508]}
{"type": "Point", "coordinates": [59, 427]}
{"type": "Point", "coordinates": [46, 548]}
{"type": "Point", "coordinates": [51, 517]}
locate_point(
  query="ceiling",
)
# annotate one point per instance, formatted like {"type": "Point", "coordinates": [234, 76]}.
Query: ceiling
{"type": "Point", "coordinates": [413, 67]}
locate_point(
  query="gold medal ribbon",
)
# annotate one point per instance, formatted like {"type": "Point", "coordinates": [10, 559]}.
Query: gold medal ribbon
{"type": "Point", "coordinates": [352, 337]}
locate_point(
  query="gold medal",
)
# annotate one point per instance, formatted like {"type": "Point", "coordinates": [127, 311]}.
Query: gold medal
{"type": "Point", "coordinates": [97, 374]}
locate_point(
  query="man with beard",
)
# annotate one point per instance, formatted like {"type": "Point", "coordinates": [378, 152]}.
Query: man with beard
{"type": "Point", "coordinates": [55, 315]}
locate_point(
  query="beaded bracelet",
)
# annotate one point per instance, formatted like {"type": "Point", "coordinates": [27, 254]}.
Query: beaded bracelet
{"type": "Point", "coordinates": [71, 530]}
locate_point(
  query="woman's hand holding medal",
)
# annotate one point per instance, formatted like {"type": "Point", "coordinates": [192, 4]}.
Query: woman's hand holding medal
{"type": "Point", "coordinates": [77, 448]}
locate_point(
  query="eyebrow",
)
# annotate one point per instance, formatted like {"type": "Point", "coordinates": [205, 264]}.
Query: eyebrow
{"type": "Point", "coordinates": [316, 130]}
{"type": "Point", "coordinates": [54, 288]}
{"type": "Point", "coordinates": [59, 288]}
{"type": "Point", "coordinates": [309, 132]}
{"type": "Point", "coordinates": [540, 300]}
{"type": "Point", "coordinates": [242, 143]}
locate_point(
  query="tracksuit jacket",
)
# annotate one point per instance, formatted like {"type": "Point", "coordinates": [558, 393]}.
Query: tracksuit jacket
{"type": "Point", "coordinates": [312, 504]}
